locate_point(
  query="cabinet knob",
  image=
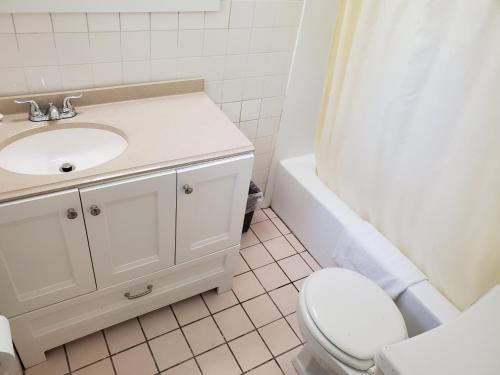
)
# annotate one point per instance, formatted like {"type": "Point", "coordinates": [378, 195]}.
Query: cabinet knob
{"type": "Point", "coordinates": [71, 213]}
{"type": "Point", "coordinates": [187, 189]}
{"type": "Point", "coordinates": [95, 210]}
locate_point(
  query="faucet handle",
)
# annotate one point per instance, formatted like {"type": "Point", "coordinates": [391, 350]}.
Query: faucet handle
{"type": "Point", "coordinates": [34, 108]}
{"type": "Point", "coordinates": [67, 105]}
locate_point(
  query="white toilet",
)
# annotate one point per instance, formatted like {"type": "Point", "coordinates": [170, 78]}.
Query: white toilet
{"type": "Point", "coordinates": [345, 320]}
{"type": "Point", "coordinates": [352, 327]}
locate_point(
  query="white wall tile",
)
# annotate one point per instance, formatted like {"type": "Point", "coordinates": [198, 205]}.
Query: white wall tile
{"type": "Point", "coordinates": [214, 91]}
{"type": "Point", "coordinates": [241, 14]}
{"type": "Point", "coordinates": [37, 49]}
{"type": "Point", "coordinates": [190, 43]}
{"type": "Point", "coordinates": [134, 21]}
{"type": "Point", "coordinates": [250, 110]}
{"type": "Point", "coordinates": [73, 48]}
{"type": "Point", "coordinates": [6, 24]}
{"type": "Point", "coordinates": [136, 71]}
{"type": "Point", "coordinates": [249, 128]}
{"type": "Point", "coordinates": [253, 88]}
{"type": "Point", "coordinates": [33, 23]}
{"type": "Point", "coordinates": [162, 70]}
{"type": "Point", "coordinates": [103, 21]}
{"type": "Point", "coordinates": [283, 38]}
{"type": "Point", "coordinates": [12, 81]}
{"type": "Point", "coordinates": [274, 86]}
{"type": "Point", "coordinates": [135, 45]}
{"type": "Point", "coordinates": [265, 13]}
{"type": "Point", "coordinates": [191, 20]}
{"type": "Point", "coordinates": [263, 161]}
{"type": "Point", "coordinates": [107, 74]}
{"type": "Point", "coordinates": [264, 145]}
{"type": "Point", "coordinates": [164, 44]}
{"type": "Point", "coordinates": [262, 40]}
{"type": "Point", "coordinates": [238, 41]}
{"type": "Point", "coordinates": [105, 47]}
{"type": "Point", "coordinates": [215, 42]}
{"type": "Point", "coordinates": [213, 68]}
{"type": "Point", "coordinates": [232, 90]}
{"type": "Point", "coordinates": [288, 13]}
{"type": "Point", "coordinates": [10, 56]}
{"type": "Point", "coordinates": [258, 64]}
{"type": "Point", "coordinates": [235, 66]}
{"type": "Point", "coordinates": [76, 76]}
{"type": "Point", "coordinates": [189, 67]}
{"type": "Point", "coordinates": [164, 21]}
{"type": "Point", "coordinates": [219, 19]}
{"type": "Point", "coordinates": [44, 78]}
{"type": "Point", "coordinates": [279, 63]}
{"type": "Point", "coordinates": [267, 126]}
{"type": "Point", "coordinates": [272, 106]}
{"type": "Point", "coordinates": [69, 22]}
{"type": "Point", "coordinates": [232, 110]}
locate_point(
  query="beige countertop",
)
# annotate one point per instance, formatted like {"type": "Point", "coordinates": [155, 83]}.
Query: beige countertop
{"type": "Point", "coordinates": [162, 132]}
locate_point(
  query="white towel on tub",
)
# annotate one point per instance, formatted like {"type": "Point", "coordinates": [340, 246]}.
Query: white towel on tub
{"type": "Point", "coordinates": [363, 249]}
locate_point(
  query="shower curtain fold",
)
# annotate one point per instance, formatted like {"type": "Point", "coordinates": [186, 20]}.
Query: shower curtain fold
{"type": "Point", "coordinates": [409, 134]}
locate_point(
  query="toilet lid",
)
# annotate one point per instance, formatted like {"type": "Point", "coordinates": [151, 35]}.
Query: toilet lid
{"type": "Point", "coordinates": [352, 312]}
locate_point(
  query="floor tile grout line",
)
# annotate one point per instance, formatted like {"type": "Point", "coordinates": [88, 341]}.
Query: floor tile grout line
{"type": "Point", "coordinates": [287, 322]}
{"type": "Point", "coordinates": [248, 316]}
{"type": "Point", "coordinates": [282, 317]}
{"type": "Point", "coordinates": [222, 334]}
{"type": "Point", "coordinates": [185, 338]}
{"type": "Point", "coordinates": [71, 371]}
{"type": "Point", "coordinates": [109, 352]}
{"type": "Point", "coordinates": [148, 345]}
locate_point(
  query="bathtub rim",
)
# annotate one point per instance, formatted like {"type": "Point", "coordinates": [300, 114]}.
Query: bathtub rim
{"type": "Point", "coordinates": [423, 306]}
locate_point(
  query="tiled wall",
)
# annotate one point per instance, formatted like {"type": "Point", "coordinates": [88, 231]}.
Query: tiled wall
{"type": "Point", "coordinates": [243, 51]}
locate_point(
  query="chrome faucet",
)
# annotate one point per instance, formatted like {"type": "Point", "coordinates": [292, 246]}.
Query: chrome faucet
{"type": "Point", "coordinates": [52, 113]}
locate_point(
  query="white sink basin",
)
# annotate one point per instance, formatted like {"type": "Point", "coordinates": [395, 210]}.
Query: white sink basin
{"type": "Point", "coordinates": [47, 152]}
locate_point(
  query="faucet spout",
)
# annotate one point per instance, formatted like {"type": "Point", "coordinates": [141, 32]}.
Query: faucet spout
{"type": "Point", "coordinates": [53, 112]}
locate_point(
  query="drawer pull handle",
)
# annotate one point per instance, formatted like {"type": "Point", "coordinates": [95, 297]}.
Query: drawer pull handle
{"type": "Point", "coordinates": [134, 296]}
{"type": "Point", "coordinates": [95, 210]}
{"type": "Point", "coordinates": [71, 214]}
{"type": "Point", "coordinates": [187, 189]}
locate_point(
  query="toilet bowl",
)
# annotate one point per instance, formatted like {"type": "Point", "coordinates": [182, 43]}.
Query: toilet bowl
{"type": "Point", "coordinates": [345, 320]}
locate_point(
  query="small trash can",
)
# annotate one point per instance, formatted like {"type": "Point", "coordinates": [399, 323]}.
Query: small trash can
{"type": "Point", "coordinates": [254, 197]}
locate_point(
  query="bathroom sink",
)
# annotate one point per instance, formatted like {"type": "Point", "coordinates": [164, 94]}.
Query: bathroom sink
{"type": "Point", "coordinates": [51, 151]}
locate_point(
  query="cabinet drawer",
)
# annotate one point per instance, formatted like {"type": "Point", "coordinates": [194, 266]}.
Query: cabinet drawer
{"type": "Point", "coordinates": [44, 254]}
{"type": "Point", "coordinates": [49, 327]}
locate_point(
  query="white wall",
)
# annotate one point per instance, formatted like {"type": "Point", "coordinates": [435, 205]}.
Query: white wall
{"type": "Point", "coordinates": [307, 78]}
{"type": "Point", "coordinates": [243, 51]}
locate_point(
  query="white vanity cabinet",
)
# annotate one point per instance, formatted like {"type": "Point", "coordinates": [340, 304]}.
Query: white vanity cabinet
{"type": "Point", "coordinates": [78, 261]}
{"type": "Point", "coordinates": [131, 226]}
{"type": "Point", "coordinates": [44, 254]}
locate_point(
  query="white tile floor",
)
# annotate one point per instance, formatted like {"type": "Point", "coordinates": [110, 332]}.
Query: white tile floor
{"type": "Point", "coordinates": [252, 329]}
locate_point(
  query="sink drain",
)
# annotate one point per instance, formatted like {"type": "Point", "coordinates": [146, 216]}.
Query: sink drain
{"type": "Point", "coordinates": [67, 167]}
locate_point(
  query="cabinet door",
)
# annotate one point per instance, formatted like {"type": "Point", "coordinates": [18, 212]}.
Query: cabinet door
{"type": "Point", "coordinates": [211, 201]}
{"type": "Point", "coordinates": [44, 254]}
{"type": "Point", "coordinates": [131, 226]}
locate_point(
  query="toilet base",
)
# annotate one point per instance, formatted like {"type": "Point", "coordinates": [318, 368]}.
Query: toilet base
{"type": "Point", "coordinates": [306, 364]}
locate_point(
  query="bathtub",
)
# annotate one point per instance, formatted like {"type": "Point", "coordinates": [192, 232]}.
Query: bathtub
{"type": "Point", "coordinates": [317, 216]}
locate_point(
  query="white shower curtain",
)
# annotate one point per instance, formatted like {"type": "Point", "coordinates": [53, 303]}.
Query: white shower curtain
{"type": "Point", "coordinates": [409, 135]}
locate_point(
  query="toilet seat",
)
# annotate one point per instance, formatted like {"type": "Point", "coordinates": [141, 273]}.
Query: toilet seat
{"type": "Point", "coordinates": [350, 316]}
